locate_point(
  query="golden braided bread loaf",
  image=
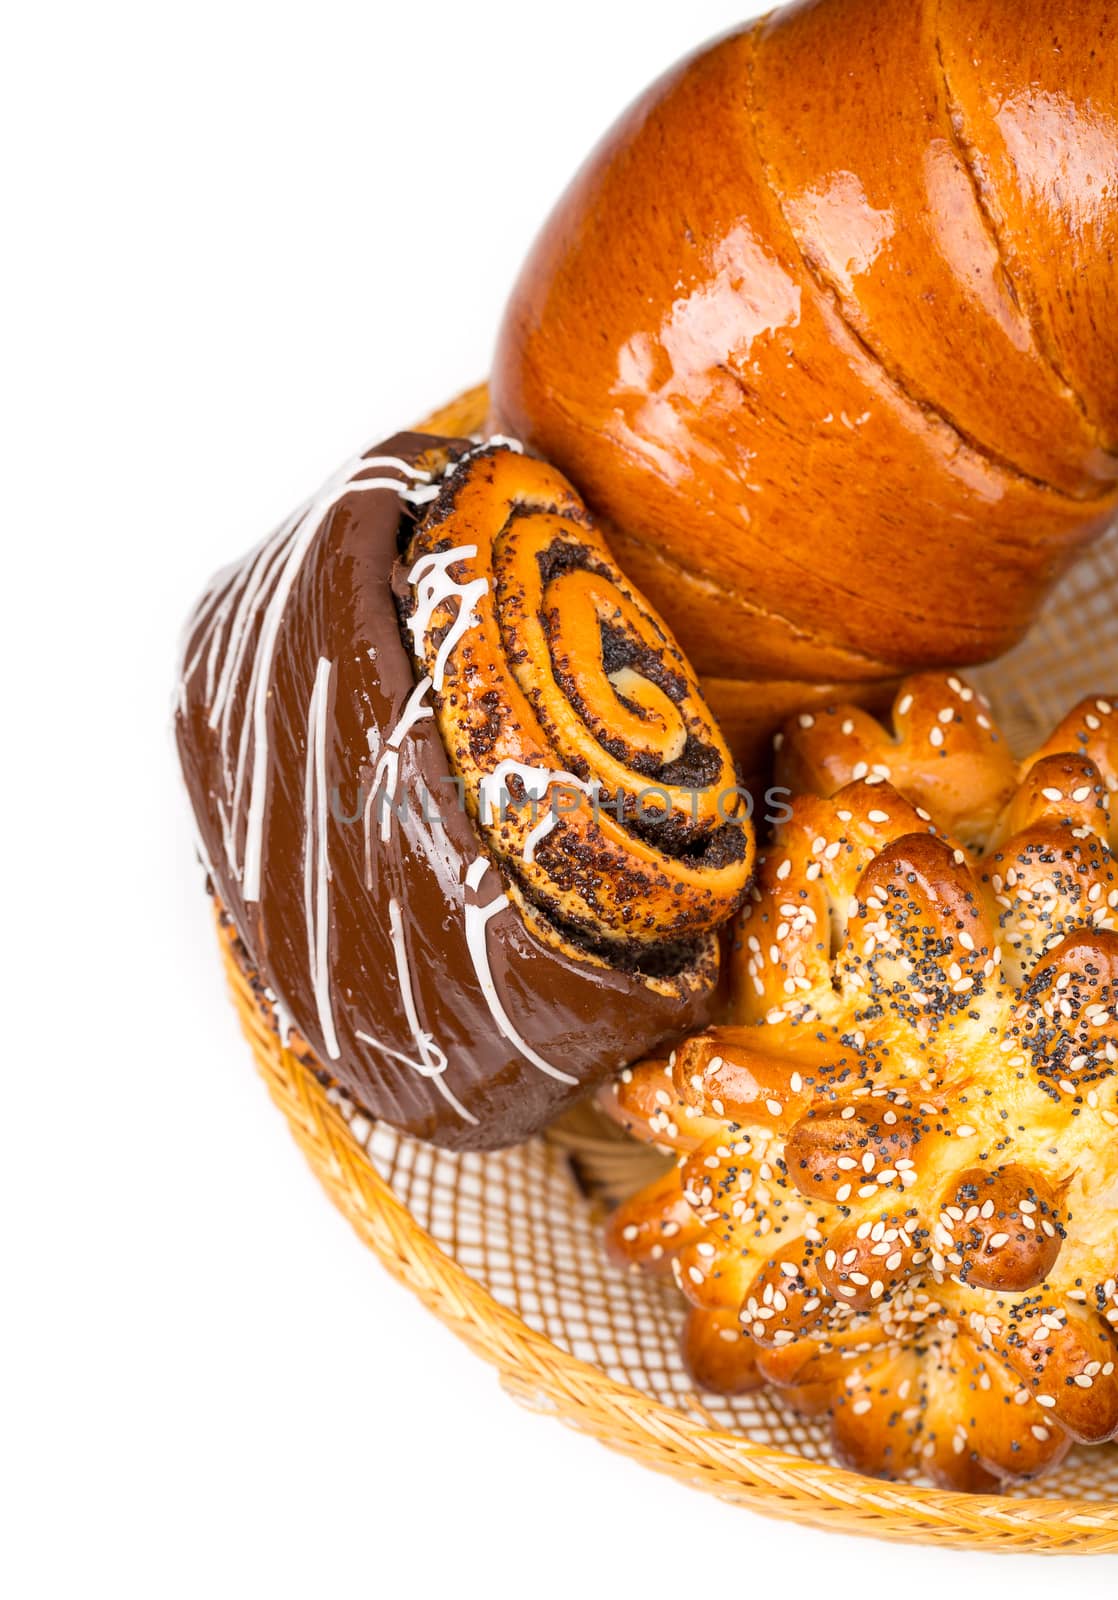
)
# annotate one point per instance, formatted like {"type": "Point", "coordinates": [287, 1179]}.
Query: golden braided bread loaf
{"type": "Point", "coordinates": [897, 1190]}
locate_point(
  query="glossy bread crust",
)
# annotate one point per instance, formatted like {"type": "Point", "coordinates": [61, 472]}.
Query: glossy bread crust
{"type": "Point", "coordinates": [900, 1160]}
{"type": "Point", "coordinates": [835, 368]}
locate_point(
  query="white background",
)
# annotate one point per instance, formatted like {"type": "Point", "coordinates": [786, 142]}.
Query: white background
{"type": "Point", "coordinates": [239, 240]}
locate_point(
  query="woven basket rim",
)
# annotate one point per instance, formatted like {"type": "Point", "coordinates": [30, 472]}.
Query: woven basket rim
{"type": "Point", "coordinates": [769, 1479]}
{"type": "Point", "coordinates": [533, 1369]}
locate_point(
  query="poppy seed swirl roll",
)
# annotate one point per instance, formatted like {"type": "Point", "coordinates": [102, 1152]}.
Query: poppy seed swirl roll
{"type": "Point", "coordinates": [586, 754]}
{"type": "Point", "coordinates": [405, 949]}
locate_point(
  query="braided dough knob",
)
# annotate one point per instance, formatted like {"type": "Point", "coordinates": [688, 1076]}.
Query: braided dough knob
{"type": "Point", "coordinates": [901, 1153]}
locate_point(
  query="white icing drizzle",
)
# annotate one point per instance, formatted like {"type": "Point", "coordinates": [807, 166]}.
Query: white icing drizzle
{"type": "Point", "coordinates": [387, 772]}
{"type": "Point", "coordinates": [217, 598]}
{"type": "Point", "coordinates": [430, 1060]}
{"type": "Point", "coordinates": [433, 587]}
{"type": "Point", "coordinates": [227, 614]}
{"type": "Point", "coordinates": [217, 636]}
{"type": "Point", "coordinates": [222, 709]}
{"type": "Point", "coordinates": [307, 528]}
{"type": "Point", "coordinates": [259, 573]}
{"type": "Point", "coordinates": [477, 923]}
{"type": "Point", "coordinates": [316, 863]}
{"type": "Point", "coordinates": [493, 796]}
{"type": "Point", "coordinates": [256, 585]}
{"type": "Point", "coordinates": [408, 468]}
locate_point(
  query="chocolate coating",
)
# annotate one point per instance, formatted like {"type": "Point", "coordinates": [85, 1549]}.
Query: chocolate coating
{"type": "Point", "coordinates": [395, 951]}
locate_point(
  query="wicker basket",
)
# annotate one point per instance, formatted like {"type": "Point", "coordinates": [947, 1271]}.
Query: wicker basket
{"type": "Point", "coordinates": [504, 1248]}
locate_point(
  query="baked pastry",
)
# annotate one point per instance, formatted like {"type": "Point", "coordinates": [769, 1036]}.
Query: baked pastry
{"type": "Point", "coordinates": [897, 1194]}
{"type": "Point", "coordinates": [458, 792]}
{"type": "Point", "coordinates": [825, 332]}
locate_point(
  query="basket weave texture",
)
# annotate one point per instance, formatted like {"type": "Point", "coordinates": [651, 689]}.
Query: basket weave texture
{"type": "Point", "coordinates": [505, 1248]}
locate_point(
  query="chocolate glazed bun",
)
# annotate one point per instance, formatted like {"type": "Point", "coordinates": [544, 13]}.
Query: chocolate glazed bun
{"type": "Point", "coordinates": [462, 958]}
{"type": "Point", "coordinates": [826, 331]}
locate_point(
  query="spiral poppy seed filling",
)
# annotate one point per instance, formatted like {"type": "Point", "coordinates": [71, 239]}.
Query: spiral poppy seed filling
{"type": "Point", "coordinates": [388, 942]}
{"type": "Point", "coordinates": [587, 758]}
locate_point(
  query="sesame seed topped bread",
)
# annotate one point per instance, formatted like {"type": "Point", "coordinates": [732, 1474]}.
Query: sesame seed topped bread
{"type": "Point", "coordinates": [897, 1191]}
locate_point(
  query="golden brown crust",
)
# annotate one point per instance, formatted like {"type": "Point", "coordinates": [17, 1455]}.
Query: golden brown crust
{"type": "Point", "coordinates": [1089, 730]}
{"type": "Point", "coordinates": [651, 1228]}
{"type": "Point", "coordinates": [825, 315]}
{"type": "Point", "coordinates": [718, 1354]}
{"type": "Point", "coordinates": [940, 749]}
{"type": "Point", "coordinates": [886, 214]}
{"type": "Point", "coordinates": [902, 1151]}
{"type": "Point", "coordinates": [1034, 93]}
{"type": "Point", "coordinates": [645, 1102]}
{"type": "Point", "coordinates": [1008, 1225]}
{"type": "Point", "coordinates": [588, 758]}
